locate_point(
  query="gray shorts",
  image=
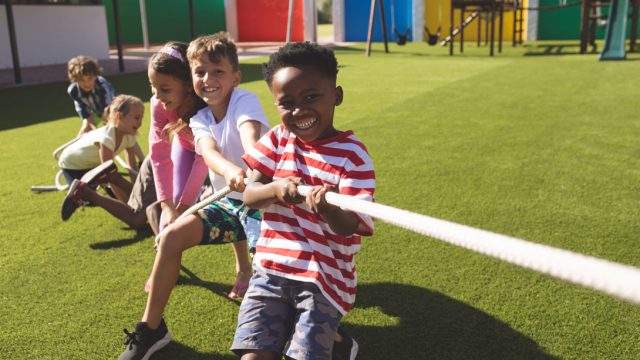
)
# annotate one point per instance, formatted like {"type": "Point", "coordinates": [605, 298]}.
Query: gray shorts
{"type": "Point", "coordinates": [143, 192]}
{"type": "Point", "coordinates": [286, 317]}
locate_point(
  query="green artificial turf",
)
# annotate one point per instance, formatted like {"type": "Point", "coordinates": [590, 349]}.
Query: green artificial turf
{"type": "Point", "coordinates": [535, 143]}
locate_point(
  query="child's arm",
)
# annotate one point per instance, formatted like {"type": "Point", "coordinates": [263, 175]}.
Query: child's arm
{"type": "Point", "coordinates": [261, 191]}
{"type": "Point", "coordinates": [132, 152]}
{"type": "Point", "coordinates": [105, 155]}
{"type": "Point", "coordinates": [342, 222]}
{"type": "Point", "coordinates": [233, 174]}
{"type": "Point", "coordinates": [88, 124]}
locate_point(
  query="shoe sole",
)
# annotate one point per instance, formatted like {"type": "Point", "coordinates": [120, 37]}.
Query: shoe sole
{"type": "Point", "coordinates": [157, 346]}
{"type": "Point", "coordinates": [93, 177]}
{"type": "Point", "coordinates": [68, 204]}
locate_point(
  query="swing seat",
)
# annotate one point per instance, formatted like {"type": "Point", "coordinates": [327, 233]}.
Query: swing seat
{"type": "Point", "coordinates": [432, 39]}
{"type": "Point", "coordinates": [402, 38]}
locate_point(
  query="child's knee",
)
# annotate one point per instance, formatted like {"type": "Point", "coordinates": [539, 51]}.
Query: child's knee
{"type": "Point", "coordinates": [170, 241]}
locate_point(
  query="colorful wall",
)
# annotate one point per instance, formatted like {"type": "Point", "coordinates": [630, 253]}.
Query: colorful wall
{"type": "Point", "coordinates": [437, 15]}
{"type": "Point", "coordinates": [356, 19]}
{"type": "Point", "coordinates": [166, 20]}
{"type": "Point", "coordinates": [564, 24]}
{"type": "Point", "coordinates": [255, 25]}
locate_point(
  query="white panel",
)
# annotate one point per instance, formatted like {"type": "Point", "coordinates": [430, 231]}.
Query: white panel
{"type": "Point", "coordinates": [337, 13]}
{"type": "Point", "coordinates": [310, 20]}
{"type": "Point", "coordinates": [5, 44]}
{"type": "Point", "coordinates": [52, 34]}
{"type": "Point", "coordinates": [231, 18]}
{"type": "Point", "coordinates": [418, 21]}
{"type": "Point", "coordinates": [532, 21]}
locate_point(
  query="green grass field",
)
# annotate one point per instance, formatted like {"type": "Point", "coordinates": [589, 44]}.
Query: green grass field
{"type": "Point", "coordinates": [534, 143]}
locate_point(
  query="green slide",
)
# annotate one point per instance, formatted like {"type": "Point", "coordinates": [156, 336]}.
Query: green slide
{"type": "Point", "coordinates": [616, 31]}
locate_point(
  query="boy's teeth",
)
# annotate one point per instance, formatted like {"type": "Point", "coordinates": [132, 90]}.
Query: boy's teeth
{"type": "Point", "coordinates": [305, 124]}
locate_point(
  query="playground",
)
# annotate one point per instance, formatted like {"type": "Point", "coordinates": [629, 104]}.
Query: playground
{"type": "Point", "coordinates": [537, 142]}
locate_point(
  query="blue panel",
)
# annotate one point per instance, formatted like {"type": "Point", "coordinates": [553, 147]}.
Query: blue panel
{"type": "Point", "coordinates": [356, 14]}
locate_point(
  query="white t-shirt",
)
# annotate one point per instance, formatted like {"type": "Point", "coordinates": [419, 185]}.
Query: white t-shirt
{"type": "Point", "coordinates": [243, 106]}
{"type": "Point", "coordinates": [84, 153]}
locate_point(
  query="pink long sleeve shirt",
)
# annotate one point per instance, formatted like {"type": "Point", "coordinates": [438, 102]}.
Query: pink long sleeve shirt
{"type": "Point", "coordinates": [160, 152]}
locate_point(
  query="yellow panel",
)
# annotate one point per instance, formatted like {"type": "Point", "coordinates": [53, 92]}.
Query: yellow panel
{"type": "Point", "coordinates": [437, 15]}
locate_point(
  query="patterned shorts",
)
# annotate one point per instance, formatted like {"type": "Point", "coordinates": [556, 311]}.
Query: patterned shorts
{"type": "Point", "coordinates": [286, 317]}
{"type": "Point", "coordinates": [228, 220]}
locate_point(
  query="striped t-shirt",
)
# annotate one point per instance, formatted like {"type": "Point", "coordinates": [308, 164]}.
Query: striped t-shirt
{"type": "Point", "coordinates": [297, 243]}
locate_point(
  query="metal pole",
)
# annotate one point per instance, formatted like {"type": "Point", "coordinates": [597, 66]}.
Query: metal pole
{"type": "Point", "coordinates": [634, 26]}
{"type": "Point", "coordinates": [116, 19]}
{"type": "Point", "coordinates": [143, 21]}
{"type": "Point", "coordinates": [289, 21]}
{"type": "Point", "coordinates": [14, 44]}
{"type": "Point", "coordinates": [451, 29]}
{"type": "Point", "coordinates": [384, 27]}
{"type": "Point", "coordinates": [372, 16]}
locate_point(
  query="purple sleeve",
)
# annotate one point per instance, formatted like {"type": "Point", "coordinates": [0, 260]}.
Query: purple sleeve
{"type": "Point", "coordinates": [198, 173]}
{"type": "Point", "coordinates": [160, 152]}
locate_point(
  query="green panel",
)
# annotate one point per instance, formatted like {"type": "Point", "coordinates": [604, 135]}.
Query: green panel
{"type": "Point", "coordinates": [169, 19]}
{"type": "Point", "coordinates": [130, 23]}
{"type": "Point", "coordinates": [564, 24]}
{"type": "Point", "coordinates": [558, 24]}
{"type": "Point", "coordinates": [166, 19]}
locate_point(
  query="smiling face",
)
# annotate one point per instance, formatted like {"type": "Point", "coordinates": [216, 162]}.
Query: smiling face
{"type": "Point", "coordinates": [213, 82]}
{"type": "Point", "coordinates": [86, 82]}
{"type": "Point", "coordinates": [305, 100]}
{"type": "Point", "coordinates": [169, 90]}
{"type": "Point", "coordinates": [130, 122]}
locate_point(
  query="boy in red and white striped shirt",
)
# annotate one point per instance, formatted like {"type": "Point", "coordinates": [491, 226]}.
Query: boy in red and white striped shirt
{"type": "Point", "coordinates": [305, 277]}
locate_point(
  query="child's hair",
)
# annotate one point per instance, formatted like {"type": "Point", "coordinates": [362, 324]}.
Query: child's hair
{"type": "Point", "coordinates": [82, 65]}
{"type": "Point", "coordinates": [172, 60]}
{"type": "Point", "coordinates": [301, 54]}
{"type": "Point", "coordinates": [215, 46]}
{"type": "Point", "coordinates": [120, 104]}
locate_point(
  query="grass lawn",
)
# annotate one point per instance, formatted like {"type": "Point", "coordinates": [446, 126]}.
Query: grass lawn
{"type": "Point", "coordinates": [534, 143]}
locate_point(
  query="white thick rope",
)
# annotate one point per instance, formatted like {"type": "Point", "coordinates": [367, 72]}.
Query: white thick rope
{"type": "Point", "coordinates": [615, 279]}
{"type": "Point", "coordinates": [193, 209]}
{"type": "Point", "coordinates": [621, 281]}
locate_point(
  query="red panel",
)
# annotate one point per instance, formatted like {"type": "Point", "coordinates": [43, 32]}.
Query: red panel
{"type": "Point", "coordinates": [266, 20]}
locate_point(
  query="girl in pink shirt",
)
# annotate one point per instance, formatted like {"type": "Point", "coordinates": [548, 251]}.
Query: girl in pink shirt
{"type": "Point", "coordinates": [178, 172]}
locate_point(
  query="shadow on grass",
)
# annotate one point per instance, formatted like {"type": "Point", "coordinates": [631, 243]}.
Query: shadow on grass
{"type": "Point", "coordinates": [434, 326]}
{"type": "Point", "coordinates": [140, 235]}
{"type": "Point", "coordinates": [193, 279]}
{"type": "Point", "coordinates": [34, 104]}
{"type": "Point", "coordinates": [556, 49]}
{"type": "Point", "coordinates": [179, 351]}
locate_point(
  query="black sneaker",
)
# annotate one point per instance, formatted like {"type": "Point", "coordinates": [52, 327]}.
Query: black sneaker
{"type": "Point", "coordinates": [346, 349]}
{"type": "Point", "coordinates": [99, 174]}
{"type": "Point", "coordinates": [72, 201]}
{"type": "Point", "coordinates": [144, 342]}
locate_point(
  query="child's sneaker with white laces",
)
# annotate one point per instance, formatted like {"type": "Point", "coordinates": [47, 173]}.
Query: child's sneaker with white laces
{"type": "Point", "coordinates": [144, 342]}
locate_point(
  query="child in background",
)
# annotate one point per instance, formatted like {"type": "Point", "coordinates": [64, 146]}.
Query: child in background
{"type": "Point", "coordinates": [231, 123]}
{"type": "Point", "coordinates": [91, 93]}
{"type": "Point", "coordinates": [123, 119]}
{"type": "Point", "coordinates": [305, 275]}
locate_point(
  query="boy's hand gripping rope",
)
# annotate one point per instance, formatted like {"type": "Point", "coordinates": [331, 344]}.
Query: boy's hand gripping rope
{"type": "Point", "coordinates": [621, 281]}
{"type": "Point", "coordinates": [615, 279]}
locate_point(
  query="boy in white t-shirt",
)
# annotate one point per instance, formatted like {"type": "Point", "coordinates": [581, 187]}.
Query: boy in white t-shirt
{"type": "Point", "coordinates": [232, 123]}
